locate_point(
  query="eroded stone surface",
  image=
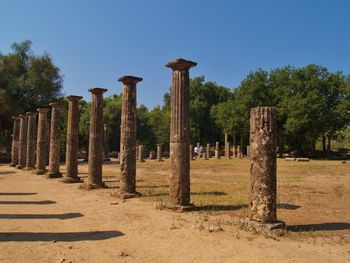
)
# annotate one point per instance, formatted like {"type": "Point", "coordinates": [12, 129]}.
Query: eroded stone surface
{"type": "Point", "coordinates": [127, 185]}
{"type": "Point", "coordinates": [179, 194]}
{"type": "Point", "coordinates": [22, 147]}
{"type": "Point", "coordinates": [42, 143]}
{"type": "Point", "coordinates": [15, 140]}
{"type": "Point", "coordinates": [96, 138]}
{"type": "Point", "coordinates": [31, 141]}
{"type": "Point", "coordinates": [55, 142]}
{"type": "Point", "coordinates": [263, 142]}
{"type": "Point", "coordinates": [71, 175]}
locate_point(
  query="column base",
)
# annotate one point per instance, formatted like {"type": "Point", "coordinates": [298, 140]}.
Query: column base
{"type": "Point", "coordinates": [275, 229]}
{"type": "Point", "coordinates": [28, 168]}
{"type": "Point", "coordinates": [53, 175]}
{"type": "Point", "coordinates": [123, 195]}
{"type": "Point", "coordinates": [88, 186]}
{"type": "Point", "coordinates": [71, 180]}
{"type": "Point", "coordinates": [40, 172]}
{"type": "Point", "coordinates": [13, 164]}
{"type": "Point", "coordinates": [178, 208]}
{"type": "Point", "coordinates": [19, 166]}
{"type": "Point", "coordinates": [160, 160]}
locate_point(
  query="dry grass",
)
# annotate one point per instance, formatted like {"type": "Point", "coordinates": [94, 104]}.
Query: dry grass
{"type": "Point", "coordinates": [312, 196]}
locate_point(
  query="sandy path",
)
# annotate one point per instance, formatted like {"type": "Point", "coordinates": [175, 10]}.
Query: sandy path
{"type": "Point", "coordinates": [47, 221]}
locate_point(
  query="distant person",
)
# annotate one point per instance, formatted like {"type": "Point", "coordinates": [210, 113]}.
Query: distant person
{"type": "Point", "coordinates": [195, 151]}
{"type": "Point", "coordinates": [200, 151]}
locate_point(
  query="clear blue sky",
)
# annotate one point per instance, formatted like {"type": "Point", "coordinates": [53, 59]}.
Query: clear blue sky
{"type": "Point", "coordinates": [95, 42]}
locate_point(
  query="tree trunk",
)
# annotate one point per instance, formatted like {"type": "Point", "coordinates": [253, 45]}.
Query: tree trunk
{"type": "Point", "coordinates": [323, 143]}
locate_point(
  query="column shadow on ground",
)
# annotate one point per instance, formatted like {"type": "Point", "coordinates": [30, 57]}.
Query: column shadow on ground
{"type": "Point", "coordinates": [214, 208]}
{"type": "Point", "coordinates": [44, 202]}
{"type": "Point", "coordinates": [319, 227]}
{"type": "Point", "coordinates": [18, 194]}
{"type": "Point", "coordinates": [41, 216]}
{"type": "Point", "coordinates": [287, 206]}
{"type": "Point", "coordinates": [62, 237]}
{"type": "Point", "coordinates": [7, 172]}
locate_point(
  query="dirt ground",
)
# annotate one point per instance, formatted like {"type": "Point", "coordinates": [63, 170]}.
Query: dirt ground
{"type": "Point", "coordinates": [47, 221]}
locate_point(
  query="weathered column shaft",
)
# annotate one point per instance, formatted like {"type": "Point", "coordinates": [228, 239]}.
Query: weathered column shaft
{"type": "Point", "coordinates": [141, 153]}
{"type": "Point", "coordinates": [105, 143]}
{"type": "Point", "coordinates": [71, 175]}
{"type": "Point", "coordinates": [208, 150]}
{"type": "Point", "coordinates": [31, 140]}
{"type": "Point", "coordinates": [48, 134]}
{"type": "Point", "coordinates": [263, 142]}
{"type": "Point", "coordinates": [180, 132]}
{"type": "Point", "coordinates": [15, 140]}
{"type": "Point", "coordinates": [22, 149]}
{"type": "Point", "coordinates": [96, 137]}
{"type": "Point", "coordinates": [87, 134]}
{"type": "Point", "coordinates": [128, 136]}
{"type": "Point", "coordinates": [228, 156]}
{"type": "Point", "coordinates": [55, 142]}
{"type": "Point", "coordinates": [137, 152]}
{"type": "Point", "coordinates": [42, 144]}
{"type": "Point", "coordinates": [217, 150]}
{"type": "Point", "coordinates": [159, 152]}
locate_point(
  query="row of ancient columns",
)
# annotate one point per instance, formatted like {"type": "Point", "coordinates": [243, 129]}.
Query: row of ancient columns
{"type": "Point", "coordinates": [263, 137]}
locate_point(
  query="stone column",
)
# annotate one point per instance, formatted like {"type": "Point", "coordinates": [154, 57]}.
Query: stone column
{"type": "Point", "coordinates": [15, 140]}
{"type": "Point", "coordinates": [263, 141]}
{"type": "Point", "coordinates": [159, 152]}
{"type": "Point", "coordinates": [48, 134]}
{"type": "Point", "coordinates": [228, 156]}
{"type": "Point", "coordinates": [234, 154]}
{"type": "Point", "coordinates": [248, 151]}
{"type": "Point", "coordinates": [191, 152]}
{"type": "Point", "coordinates": [31, 141]}
{"type": "Point", "coordinates": [22, 149]}
{"type": "Point", "coordinates": [105, 144]}
{"type": "Point", "coordinates": [87, 134]}
{"type": "Point", "coordinates": [179, 193]}
{"type": "Point", "coordinates": [208, 150]}
{"type": "Point", "coordinates": [137, 153]}
{"type": "Point", "coordinates": [239, 153]}
{"type": "Point", "coordinates": [71, 175]}
{"type": "Point", "coordinates": [141, 153]}
{"type": "Point", "coordinates": [42, 144]}
{"type": "Point", "coordinates": [127, 186]}
{"type": "Point", "coordinates": [55, 142]}
{"type": "Point", "coordinates": [217, 150]}
{"type": "Point", "coordinates": [96, 139]}
{"type": "Point", "coordinates": [205, 157]}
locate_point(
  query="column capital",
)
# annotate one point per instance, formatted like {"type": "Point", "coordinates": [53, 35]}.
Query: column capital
{"type": "Point", "coordinates": [181, 64]}
{"type": "Point", "coordinates": [129, 79]}
{"type": "Point", "coordinates": [97, 90]}
{"type": "Point", "coordinates": [22, 116]}
{"type": "Point", "coordinates": [74, 98]}
{"type": "Point", "coordinates": [16, 117]}
{"type": "Point", "coordinates": [55, 104]}
{"type": "Point", "coordinates": [43, 110]}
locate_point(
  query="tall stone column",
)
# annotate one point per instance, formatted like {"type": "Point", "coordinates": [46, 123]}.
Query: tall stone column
{"type": "Point", "coordinates": [72, 145]}
{"type": "Point", "coordinates": [96, 139]}
{"type": "Point", "coordinates": [87, 135]}
{"type": "Point", "coordinates": [22, 149]}
{"type": "Point", "coordinates": [48, 134]}
{"type": "Point", "coordinates": [127, 187]}
{"type": "Point", "coordinates": [159, 152]}
{"type": "Point", "coordinates": [141, 153]}
{"type": "Point", "coordinates": [137, 153]}
{"type": "Point", "coordinates": [208, 150]}
{"type": "Point", "coordinates": [15, 140]}
{"type": "Point", "coordinates": [42, 143]}
{"type": "Point", "coordinates": [239, 152]}
{"type": "Point", "coordinates": [228, 156]}
{"type": "Point", "coordinates": [179, 194]}
{"type": "Point", "coordinates": [31, 141]}
{"type": "Point", "coordinates": [55, 142]}
{"type": "Point", "coordinates": [105, 144]}
{"type": "Point", "coordinates": [262, 198]}
{"type": "Point", "coordinates": [217, 150]}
